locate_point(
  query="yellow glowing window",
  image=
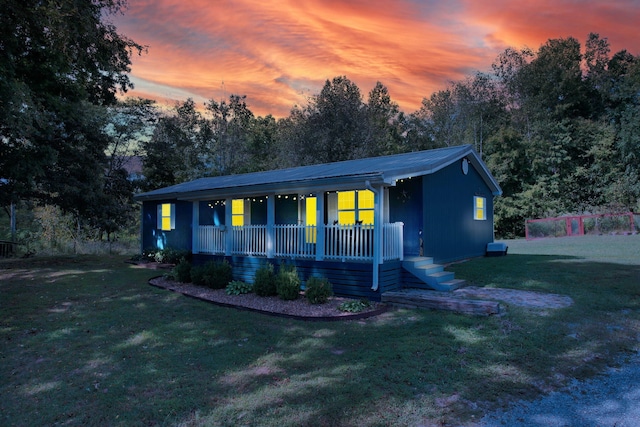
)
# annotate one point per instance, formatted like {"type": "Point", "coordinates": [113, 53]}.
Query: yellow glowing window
{"type": "Point", "coordinates": [366, 216]}
{"type": "Point", "coordinates": [346, 217]}
{"type": "Point", "coordinates": [346, 200]}
{"type": "Point", "coordinates": [310, 212]}
{"type": "Point", "coordinates": [365, 199]}
{"type": "Point", "coordinates": [355, 206]}
{"type": "Point", "coordinates": [237, 212]}
{"type": "Point", "coordinates": [479, 208]}
{"type": "Point", "coordinates": [166, 217]}
{"type": "Point", "coordinates": [365, 206]}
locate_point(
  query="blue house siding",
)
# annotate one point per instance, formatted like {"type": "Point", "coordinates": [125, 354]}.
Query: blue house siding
{"type": "Point", "coordinates": [178, 238]}
{"type": "Point", "coordinates": [450, 232]}
{"type": "Point", "coordinates": [405, 205]}
{"type": "Point", "coordinates": [349, 279]}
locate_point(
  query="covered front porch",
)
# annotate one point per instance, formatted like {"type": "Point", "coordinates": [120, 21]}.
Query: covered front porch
{"type": "Point", "coordinates": [334, 225]}
{"type": "Point", "coordinates": [349, 225]}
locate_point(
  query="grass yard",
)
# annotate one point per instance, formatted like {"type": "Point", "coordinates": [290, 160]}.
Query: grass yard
{"type": "Point", "coordinates": [86, 341]}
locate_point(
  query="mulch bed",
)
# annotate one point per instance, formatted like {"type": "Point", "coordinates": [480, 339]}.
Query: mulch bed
{"type": "Point", "coordinates": [297, 309]}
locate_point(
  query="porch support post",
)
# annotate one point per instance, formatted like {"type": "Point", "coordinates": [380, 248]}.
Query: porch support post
{"type": "Point", "coordinates": [228, 222]}
{"type": "Point", "coordinates": [271, 221]}
{"type": "Point", "coordinates": [195, 228]}
{"type": "Point", "coordinates": [378, 204]}
{"type": "Point", "coordinates": [320, 226]}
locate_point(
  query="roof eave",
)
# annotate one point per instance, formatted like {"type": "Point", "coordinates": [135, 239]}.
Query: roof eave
{"type": "Point", "coordinates": [301, 187]}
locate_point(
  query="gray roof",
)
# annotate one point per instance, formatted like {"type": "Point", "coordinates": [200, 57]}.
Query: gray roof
{"type": "Point", "coordinates": [344, 175]}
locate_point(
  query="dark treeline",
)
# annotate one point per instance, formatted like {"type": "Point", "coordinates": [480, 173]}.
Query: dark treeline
{"type": "Point", "coordinates": [559, 128]}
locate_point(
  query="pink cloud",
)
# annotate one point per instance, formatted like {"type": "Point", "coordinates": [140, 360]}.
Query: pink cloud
{"type": "Point", "coordinates": [277, 53]}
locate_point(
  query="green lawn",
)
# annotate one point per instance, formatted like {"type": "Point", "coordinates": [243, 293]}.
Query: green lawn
{"type": "Point", "coordinates": [86, 341]}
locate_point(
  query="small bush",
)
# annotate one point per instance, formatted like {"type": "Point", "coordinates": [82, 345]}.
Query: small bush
{"type": "Point", "coordinates": [288, 283]}
{"type": "Point", "coordinates": [354, 306]}
{"type": "Point", "coordinates": [318, 290]}
{"type": "Point", "coordinates": [237, 287]}
{"type": "Point", "coordinates": [213, 274]}
{"type": "Point", "coordinates": [182, 271]}
{"type": "Point", "coordinates": [165, 256]}
{"type": "Point", "coordinates": [171, 256]}
{"type": "Point", "coordinates": [264, 284]}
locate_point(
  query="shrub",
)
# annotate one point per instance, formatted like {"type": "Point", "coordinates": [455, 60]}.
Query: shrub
{"type": "Point", "coordinates": [354, 306]}
{"type": "Point", "coordinates": [237, 287]}
{"type": "Point", "coordinates": [166, 255]}
{"type": "Point", "coordinates": [171, 255]}
{"type": "Point", "coordinates": [264, 283]}
{"type": "Point", "coordinates": [318, 290]}
{"type": "Point", "coordinates": [182, 271]}
{"type": "Point", "coordinates": [213, 274]}
{"type": "Point", "coordinates": [288, 283]}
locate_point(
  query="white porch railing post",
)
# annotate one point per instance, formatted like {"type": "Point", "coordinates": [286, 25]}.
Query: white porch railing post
{"type": "Point", "coordinates": [320, 226]}
{"type": "Point", "coordinates": [271, 220]}
{"type": "Point", "coordinates": [229, 235]}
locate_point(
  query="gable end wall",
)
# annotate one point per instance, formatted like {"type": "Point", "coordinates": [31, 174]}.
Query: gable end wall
{"type": "Point", "coordinates": [450, 233]}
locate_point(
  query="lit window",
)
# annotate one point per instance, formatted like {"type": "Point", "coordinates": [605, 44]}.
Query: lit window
{"type": "Point", "coordinates": [237, 212]}
{"type": "Point", "coordinates": [479, 208]}
{"type": "Point", "coordinates": [166, 217]}
{"type": "Point", "coordinates": [311, 205]}
{"type": "Point", "coordinates": [355, 206]}
{"type": "Point", "coordinates": [366, 202]}
{"type": "Point", "coordinates": [347, 207]}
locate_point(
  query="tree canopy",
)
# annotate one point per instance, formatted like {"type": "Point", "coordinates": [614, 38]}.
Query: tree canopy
{"type": "Point", "coordinates": [61, 64]}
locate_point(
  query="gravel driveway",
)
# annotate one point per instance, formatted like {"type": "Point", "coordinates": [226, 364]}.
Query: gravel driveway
{"type": "Point", "coordinates": [612, 399]}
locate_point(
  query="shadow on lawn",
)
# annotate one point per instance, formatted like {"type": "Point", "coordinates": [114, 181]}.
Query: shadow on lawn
{"type": "Point", "coordinates": [121, 352]}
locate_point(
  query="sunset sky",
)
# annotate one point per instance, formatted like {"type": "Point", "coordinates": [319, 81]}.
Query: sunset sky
{"type": "Point", "coordinates": [279, 52]}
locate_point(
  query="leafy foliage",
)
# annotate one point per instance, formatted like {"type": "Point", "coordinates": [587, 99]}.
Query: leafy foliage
{"type": "Point", "coordinates": [182, 271]}
{"type": "Point", "coordinates": [318, 290]}
{"type": "Point", "coordinates": [213, 274]}
{"type": "Point", "coordinates": [61, 63]}
{"type": "Point", "coordinates": [288, 283]}
{"type": "Point", "coordinates": [355, 306]}
{"type": "Point", "coordinates": [264, 283]}
{"type": "Point", "coordinates": [238, 287]}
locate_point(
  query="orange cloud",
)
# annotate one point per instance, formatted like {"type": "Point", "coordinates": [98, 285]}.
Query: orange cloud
{"type": "Point", "coordinates": [278, 53]}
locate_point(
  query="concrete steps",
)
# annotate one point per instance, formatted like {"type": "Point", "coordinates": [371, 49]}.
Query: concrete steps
{"type": "Point", "coordinates": [433, 275]}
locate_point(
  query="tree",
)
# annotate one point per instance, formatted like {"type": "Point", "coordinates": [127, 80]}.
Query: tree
{"type": "Point", "coordinates": [131, 123]}
{"type": "Point", "coordinates": [384, 123]}
{"type": "Point", "coordinates": [230, 128]}
{"type": "Point", "coordinates": [262, 143]}
{"type": "Point", "coordinates": [60, 63]}
{"type": "Point", "coordinates": [331, 127]}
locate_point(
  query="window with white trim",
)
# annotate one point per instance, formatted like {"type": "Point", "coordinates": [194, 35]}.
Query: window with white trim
{"type": "Point", "coordinates": [479, 208]}
{"type": "Point", "coordinates": [166, 217]}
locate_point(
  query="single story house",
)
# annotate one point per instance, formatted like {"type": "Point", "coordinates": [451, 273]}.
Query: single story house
{"type": "Point", "coordinates": [368, 225]}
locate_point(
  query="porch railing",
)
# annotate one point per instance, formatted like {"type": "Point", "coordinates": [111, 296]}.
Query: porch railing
{"type": "Point", "coordinates": [249, 240]}
{"type": "Point", "coordinates": [211, 240]}
{"type": "Point", "coordinates": [393, 241]}
{"type": "Point", "coordinates": [349, 242]}
{"type": "Point", "coordinates": [295, 241]}
{"type": "Point", "coordinates": [341, 242]}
